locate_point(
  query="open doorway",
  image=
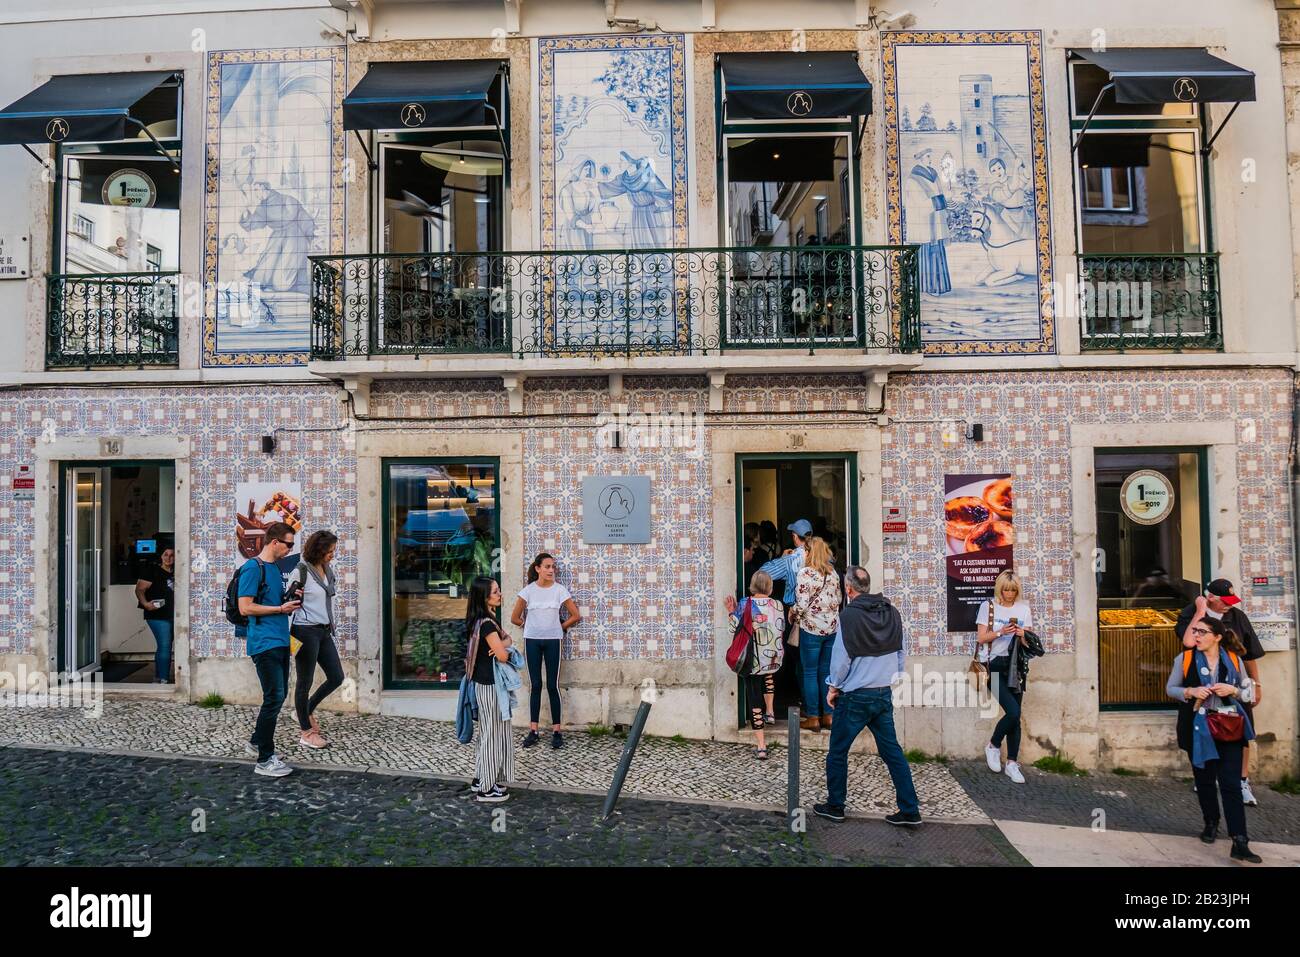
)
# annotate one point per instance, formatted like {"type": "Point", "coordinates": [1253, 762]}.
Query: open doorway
{"type": "Point", "coordinates": [776, 490]}
{"type": "Point", "coordinates": [118, 535]}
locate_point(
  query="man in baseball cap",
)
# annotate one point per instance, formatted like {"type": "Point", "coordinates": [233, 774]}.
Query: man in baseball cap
{"type": "Point", "coordinates": [1221, 602]}
{"type": "Point", "coordinates": [785, 568]}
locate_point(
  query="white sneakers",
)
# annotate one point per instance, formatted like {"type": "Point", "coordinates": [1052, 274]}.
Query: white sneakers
{"type": "Point", "coordinates": [1013, 772]}
{"type": "Point", "coordinates": [994, 757]}
{"type": "Point", "coordinates": [272, 767]}
{"type": "Point", "coordinates": [306, 742]}
{"type": "Point", "coordinates": [1247, 795]}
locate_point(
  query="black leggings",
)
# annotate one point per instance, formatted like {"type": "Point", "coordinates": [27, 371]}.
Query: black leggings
{"type": "Point", "coordinates": [317, 648]}
{"type": "Point", "coordinates": [1008, 725]}
{"type": "Point", "coordinates": [539, 649]}
{"type": "Point", "coordinates": [755, 687]}
{"type": "Point", "coordinates": [1222, 777]}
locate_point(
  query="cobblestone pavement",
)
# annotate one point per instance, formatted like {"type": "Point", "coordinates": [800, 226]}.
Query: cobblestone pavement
{"type": "Point", "coordinates": [1157, 805]}
{"type": "Point", "coordinates": [66, 807]}
{"type": "Point", "coordinates": [662, 768]}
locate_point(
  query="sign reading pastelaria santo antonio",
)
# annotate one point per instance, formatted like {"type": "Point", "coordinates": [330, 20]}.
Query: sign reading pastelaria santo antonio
{"type": "Point", "coordinates": [977, 518]}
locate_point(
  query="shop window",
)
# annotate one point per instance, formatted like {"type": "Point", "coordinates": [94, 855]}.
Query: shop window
{"type": "Point", "coordinates": [1151, 560]}
{"type": "Point", "coordinates": [442, 530]}
{"type": "Point", "coordinates": [782, 182]}
{"type": "Point", "coordinates": [442, 196]}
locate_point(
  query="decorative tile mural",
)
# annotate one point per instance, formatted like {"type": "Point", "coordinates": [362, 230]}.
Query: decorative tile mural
{"type": "Point", "coordinates": [273, 195]}
{"type": "Point", "coordinates": [966, 178]}
{"type": "Point", "coordinates": [613, 175]}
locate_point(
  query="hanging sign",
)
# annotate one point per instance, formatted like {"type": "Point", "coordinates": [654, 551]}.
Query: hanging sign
{"type": "Point", "coordinates": [1147, 497]}
{"type": "Point", "coordinates": [129, 187]}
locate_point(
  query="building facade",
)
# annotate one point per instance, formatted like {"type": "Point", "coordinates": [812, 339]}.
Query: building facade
{"type": "Point", "coordinates": [466, 282]}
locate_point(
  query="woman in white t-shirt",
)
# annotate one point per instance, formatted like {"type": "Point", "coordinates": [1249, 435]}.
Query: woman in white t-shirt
{"type": "Point", "coordinates": [1000, 621]}
{"type": "Point", "coordinates": [537, 612]}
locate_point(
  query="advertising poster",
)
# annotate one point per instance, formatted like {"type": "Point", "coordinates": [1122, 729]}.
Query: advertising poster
{"type": "Point", "coordinates": [979, 534]}
{"type": "Point", "coordinates": [259, 504]}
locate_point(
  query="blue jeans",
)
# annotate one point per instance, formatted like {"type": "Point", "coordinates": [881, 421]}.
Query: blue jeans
{"type": "Point", "coordinates": [815, 660]}
{"type": "Point", "coordinates": [273, 673]}
{"type": "Point", "coordinates": [867, 708]}
{"type": "Point", "coordinates": [162, 657]}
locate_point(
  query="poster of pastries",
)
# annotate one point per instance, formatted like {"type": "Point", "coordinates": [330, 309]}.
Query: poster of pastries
{"type": "Point", "coordinates": [977, 518]}
{"type": "Point", "coordinates": [259, 504]}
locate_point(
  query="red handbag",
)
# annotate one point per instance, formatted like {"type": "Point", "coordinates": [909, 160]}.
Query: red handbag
{"type": "Point", "coordinates": [1226, 725]}
{"type": "Point", "coordinates": [738, 654]}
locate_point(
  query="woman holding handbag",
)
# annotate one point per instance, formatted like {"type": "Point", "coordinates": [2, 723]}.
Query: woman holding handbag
{"type": "Point", "coordinates": [1002, 621]}
{"type": "Point", "coordinates": [766, 653]}
{"type": "Point", "coordinates": [817, 610]}
{"type": "Point", "coordinates": [312, 625]}
{"type": "Point", "coordinates": [1213, 727]}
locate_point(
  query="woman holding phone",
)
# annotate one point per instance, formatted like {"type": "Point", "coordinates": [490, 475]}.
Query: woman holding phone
{"type": "Point", "coordinates": [537, 612]}
{"type": "Point", "coordinates": [153, 594]}
{"type": "Point", "coordinates": [1002, 620]}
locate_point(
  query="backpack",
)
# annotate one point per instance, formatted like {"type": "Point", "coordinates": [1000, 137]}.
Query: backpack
{"type": "Point", "coordinates": [1187, 661]}
{"type": "Point", "coordinates": [738, 655]}
{"type": "Point", "coordinates": [233, 614]}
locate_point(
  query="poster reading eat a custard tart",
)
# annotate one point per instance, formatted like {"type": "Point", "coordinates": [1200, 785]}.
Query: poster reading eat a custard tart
{"type": "Point", "coordinates": [977, 525]}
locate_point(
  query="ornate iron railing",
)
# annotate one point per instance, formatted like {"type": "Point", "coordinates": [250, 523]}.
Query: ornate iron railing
{"type": "Point", "coordinates": [1150, 301]}
{"type": "Point", "coordinates": [677, 302]}
{"type": "Point", "coordinates": [124, 319]}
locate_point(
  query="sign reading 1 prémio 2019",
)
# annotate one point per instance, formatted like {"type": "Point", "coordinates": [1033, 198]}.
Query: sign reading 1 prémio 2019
{"type": "Point", "coordinates": [616, 510]}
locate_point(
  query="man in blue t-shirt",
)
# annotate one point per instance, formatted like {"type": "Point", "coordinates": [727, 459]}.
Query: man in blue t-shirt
{"type": "Point", "coordinates": [261, 599]}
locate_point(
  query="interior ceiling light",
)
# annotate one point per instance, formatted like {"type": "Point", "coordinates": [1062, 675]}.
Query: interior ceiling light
{"type": "Point", "coordinates": [463, 163]}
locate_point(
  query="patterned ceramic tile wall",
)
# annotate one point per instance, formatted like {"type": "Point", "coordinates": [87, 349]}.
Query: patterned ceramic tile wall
{"type": "Point", "coordinates": [655, 601]}
{"type": "Point", "coordinates": [224, 426]}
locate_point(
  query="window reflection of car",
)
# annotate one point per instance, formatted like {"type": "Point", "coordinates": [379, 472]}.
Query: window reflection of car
{"type": "Point", "coordinates": [436, 531]}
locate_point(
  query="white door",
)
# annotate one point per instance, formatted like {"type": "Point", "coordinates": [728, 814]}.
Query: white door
{"type": "Point", "coordinates": [83, 569]}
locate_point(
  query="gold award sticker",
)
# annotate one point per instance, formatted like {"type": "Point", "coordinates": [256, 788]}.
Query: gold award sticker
{"type": "Point", "coordinates": [129, 187]}
{"type": "Point", "coordinates": [1147, 497]}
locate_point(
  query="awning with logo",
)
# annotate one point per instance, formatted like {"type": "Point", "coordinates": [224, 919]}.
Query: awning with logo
{"type": "Point", "coordinates": [793, 86]}
{"type": "Point", "coordinates": [423, 94]}
{"type": "Point", "coordinates": [1172, 75]}
{"type": "Point", "coordinates": [82, 108]}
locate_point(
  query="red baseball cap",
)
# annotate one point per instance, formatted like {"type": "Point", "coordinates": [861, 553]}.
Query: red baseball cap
{"type": "Point", "coordinates": [1221, 589]}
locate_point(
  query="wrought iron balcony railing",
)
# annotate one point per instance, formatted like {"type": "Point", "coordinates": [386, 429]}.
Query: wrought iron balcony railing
{"type": "Point", "coordinates": [1150, 301]}
{"type": "Point", "coordinates": [606, 303]}
{"type": "Point", "coordinates": [126, 320]}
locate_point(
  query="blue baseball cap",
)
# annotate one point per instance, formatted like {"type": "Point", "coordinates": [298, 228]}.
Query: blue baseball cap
{"type": "Point", "coordinates": [803, 528]}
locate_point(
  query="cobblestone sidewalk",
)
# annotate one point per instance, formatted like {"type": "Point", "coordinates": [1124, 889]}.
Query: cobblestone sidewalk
{"type": "Point", "coordinates": [663, 768]}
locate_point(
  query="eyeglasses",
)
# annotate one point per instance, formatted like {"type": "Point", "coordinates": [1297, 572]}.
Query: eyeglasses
{"type": "Point", "coordinates": [1201, 631]}
{"type": "Point", "coordinates": [287, 542]}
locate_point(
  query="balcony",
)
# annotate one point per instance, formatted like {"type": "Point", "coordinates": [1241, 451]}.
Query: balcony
{"type": "Point", "coordinates": [126, 320]}
{"type": "Point", "coordinates": [609, 304]}
{"type": "Point", "coordinates": [1139, 301]}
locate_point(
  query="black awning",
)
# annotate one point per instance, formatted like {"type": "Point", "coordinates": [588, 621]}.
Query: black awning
{"type": "Point", "coordinates": [85, 108]}
{"type": "Point", "coordinates": [422, 94]}
{"type": "Point", "coordinates": [1172, 75]}
{"type": "Point", "coordinates": [784, 86]}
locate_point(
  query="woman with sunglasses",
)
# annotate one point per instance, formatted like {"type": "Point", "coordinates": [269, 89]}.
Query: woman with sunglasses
{"type": "Point", "coordinates": [1206, 681]}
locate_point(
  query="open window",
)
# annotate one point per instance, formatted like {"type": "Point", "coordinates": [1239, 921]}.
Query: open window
{"type": "Point", "coordinates": [1141, 139]}
{"type": "Point", "coordinates": [115, 243]}
{"type": "Point", "coordinates": [789, 168]}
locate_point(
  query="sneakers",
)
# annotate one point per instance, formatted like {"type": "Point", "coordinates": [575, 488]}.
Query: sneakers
{"type": "Point", "coordinates": [495, 796]}
{"type": "Point", "coordinates": [1241, 852]}
{"type": "Point", "coordinates": [769, 719]}
{"type": "Point", "coordinates": [1210, 833]}
{"type": "Point", "coordinates": [531, 738]}
{"type": "Point", "coordinates": [557, 742]}
{"type": "Point", "coordinates": [903, 818]}
{"type": "Point", "coordinates": [250, 749]}
{"type": "Point", "coordinates": [272, 767]}
{"type": "Point", "coordinates": [307, 742]}
{"type": "Point", "coordinates": [1247, 795]}
{"type": "Point", "coordinates": [994, 757]}
{"type": "Point", "coordinates": [832, 812]}
{"type": "Point", "coordinates": [1013, 772]}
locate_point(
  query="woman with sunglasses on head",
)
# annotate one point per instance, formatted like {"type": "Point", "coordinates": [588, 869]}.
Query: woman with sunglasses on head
{"type": "Point", "coordinates": [1213, 727]}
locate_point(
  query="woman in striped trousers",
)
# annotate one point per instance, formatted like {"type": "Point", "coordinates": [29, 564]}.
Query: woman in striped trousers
{"type": "Point", "coordinates": [494, 762]}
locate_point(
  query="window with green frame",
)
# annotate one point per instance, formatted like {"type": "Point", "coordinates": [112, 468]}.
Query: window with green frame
{"type": "Point", "coordinates": [442, 529]}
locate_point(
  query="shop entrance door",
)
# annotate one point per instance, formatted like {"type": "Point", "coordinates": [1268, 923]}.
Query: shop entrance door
{"type": "Point", "coordinates": [117, 524]}
{"type": "Point", "coordinates": [773, 492]}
